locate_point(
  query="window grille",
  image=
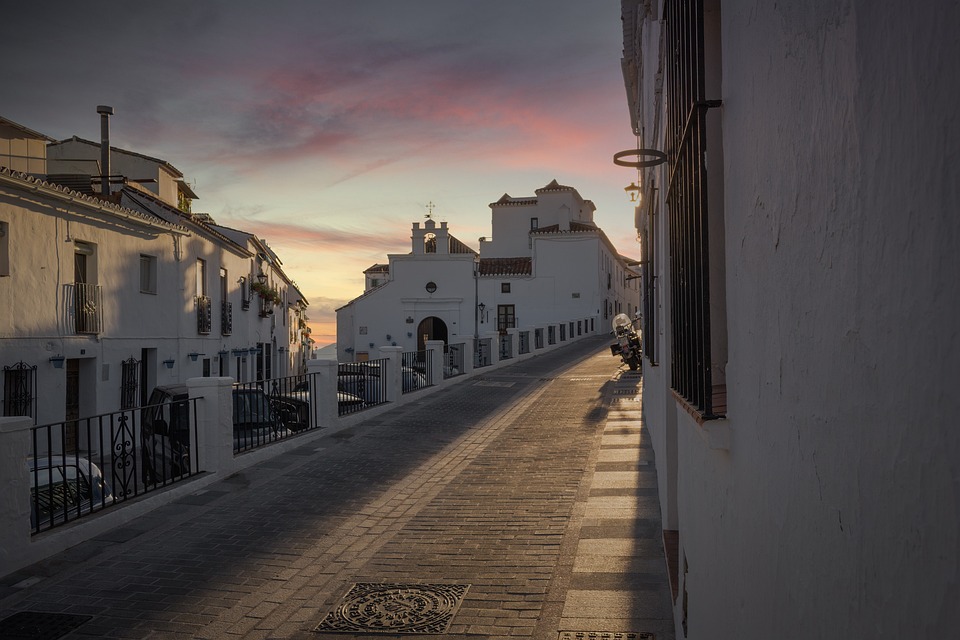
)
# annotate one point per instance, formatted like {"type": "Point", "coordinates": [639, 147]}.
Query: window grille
{"type": "Point", "coordinates": [19, 390]}
{"type": "Point", "coordinates": [691, 374]}
{"type": "Point", "coordinates": [129, 383]}
{"type": "Point", "coordinates": [204, 315]}
{"type": "Point", "coordinates": [651, 260]}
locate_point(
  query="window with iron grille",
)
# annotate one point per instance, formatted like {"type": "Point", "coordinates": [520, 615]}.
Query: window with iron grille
{"type": "Point", "coordinates": [651, 262]}
{"type": "Point", "coordinates": [129, 383]}
{"type": "Point", "coordinates": [695, 207]}
{"type": "Point", "coordinates": [19, 390]}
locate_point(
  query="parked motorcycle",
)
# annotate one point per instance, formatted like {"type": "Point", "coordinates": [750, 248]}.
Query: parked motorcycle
{"type": "Point", "coordinates": [627, 345]}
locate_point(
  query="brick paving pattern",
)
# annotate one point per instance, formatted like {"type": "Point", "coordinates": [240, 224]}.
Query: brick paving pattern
{"type": "Point", "coordinates": [532, 484]}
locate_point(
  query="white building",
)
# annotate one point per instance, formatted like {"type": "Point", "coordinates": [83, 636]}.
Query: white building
{"type": "Point", "coordinates": [800, 311]}
{"type": "Point", "coordinates": [105, 297]}
{"type": "Point", "coordinates": [547, 264]}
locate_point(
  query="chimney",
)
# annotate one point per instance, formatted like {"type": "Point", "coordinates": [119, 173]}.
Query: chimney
{"type": "Point", "coordinates": [105, 113]}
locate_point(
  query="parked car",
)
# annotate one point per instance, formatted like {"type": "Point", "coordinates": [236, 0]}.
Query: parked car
{"type": "Point", "coordinates": [63, 488]}
{"type": "Point", "coordinates": [165, 435]}
{"type": "Point", "coordinates": [255, 420]}
{"type": "Point", "coordinates": [165, 428]}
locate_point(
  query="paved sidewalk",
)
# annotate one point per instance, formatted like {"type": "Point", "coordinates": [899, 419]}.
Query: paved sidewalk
{"type": "Point", "coordinates": [520, 503]}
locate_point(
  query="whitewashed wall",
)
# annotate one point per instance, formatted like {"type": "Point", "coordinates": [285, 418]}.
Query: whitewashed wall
{"type": "Point", "coordinates": [834, 512]}
{"type": "Point", "coordinates": [44, 224]}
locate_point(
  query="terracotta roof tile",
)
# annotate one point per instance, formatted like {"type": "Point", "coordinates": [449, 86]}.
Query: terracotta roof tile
{"type": "Point", "coordinates": [506, 266]}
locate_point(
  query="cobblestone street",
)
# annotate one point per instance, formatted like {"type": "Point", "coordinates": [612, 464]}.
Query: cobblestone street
{"type": "Point", "coordinates": [520, 503]}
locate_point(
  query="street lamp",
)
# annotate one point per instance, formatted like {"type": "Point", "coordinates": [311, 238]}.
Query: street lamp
{"type": "Point", "coordinates": [481, 307]}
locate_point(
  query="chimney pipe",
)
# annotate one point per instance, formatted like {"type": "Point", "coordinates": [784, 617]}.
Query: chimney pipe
{"type": "Point", "coordinates": [105, 113]}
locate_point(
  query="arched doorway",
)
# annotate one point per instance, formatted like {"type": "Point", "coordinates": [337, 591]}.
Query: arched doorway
{"type": "Point", "coordinates": [431, 328]}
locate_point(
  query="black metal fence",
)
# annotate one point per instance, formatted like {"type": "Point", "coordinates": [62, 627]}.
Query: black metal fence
{"type": "Point", "coordinates": [361, 385]}
{"type": "Point", "coordinates": [506, 346]}
{"type": "Point", "coordinates": [416, 370]}
{"type": "Point", "coordinates": [453, 360]}
{"type": "Point", "coordinates": [80, 467]}
{"type": "Point", "coordinates": [269, 410]}
{"type": "Point", "coordinates": [524, 342]}
{"type": "Point", "coordinates": [481, 357]}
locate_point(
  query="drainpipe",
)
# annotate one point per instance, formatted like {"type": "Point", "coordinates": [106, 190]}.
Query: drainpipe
{"type": "Point", "coordinates": [105, 113]}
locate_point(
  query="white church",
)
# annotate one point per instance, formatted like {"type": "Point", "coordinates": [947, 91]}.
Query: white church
{"type": "Point", "coordinates": [547, 275]}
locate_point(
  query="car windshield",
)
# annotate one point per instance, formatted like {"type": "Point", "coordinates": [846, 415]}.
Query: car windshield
{"type": "Point", "coordinates": [251, 408]}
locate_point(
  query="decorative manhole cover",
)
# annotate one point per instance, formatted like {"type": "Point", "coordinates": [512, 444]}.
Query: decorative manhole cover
{"type": "Point", "coordinates": [604, 635]}
{"type": "Point", "coordinates": [395, 608]}
{"type": "Point", "coordinates": [39, 625]}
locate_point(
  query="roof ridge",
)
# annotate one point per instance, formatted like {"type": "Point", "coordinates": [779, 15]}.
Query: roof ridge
{"type": "Point", "coordinates": [89, 199]}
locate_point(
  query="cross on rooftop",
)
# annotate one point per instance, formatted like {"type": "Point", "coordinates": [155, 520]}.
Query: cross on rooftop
{"type": "Point", "coordinates": [430, 207]}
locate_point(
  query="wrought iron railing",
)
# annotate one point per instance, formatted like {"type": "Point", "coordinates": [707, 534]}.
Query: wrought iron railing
{"type": "Point", "coordinates": [416, 371]}
{"type": "Point", "coordinates": [538, 338]}
{"type": "Point", "coordinates": [118, 456]}
{"type": "Point", "coordinates": [86, 308]}
{"type": "Point", "coordinates": [481, 356]}
{"type": "Point", "coordinates": [226, 318]}
{"type": "Point", "coordinates": [524, 342]}
{"type": "Point", "coordinates": [453, 360]}
{"type": "Point", "coordinates": [361, 385]}
{"type": "Point", "coordinates": [506, 346]}
{"type": "Point", "coordinates": [204, 315]}
{"type": "Point", "coordinates": [296, 401]}
{"type": "Point", "coordinates": [266, 411]}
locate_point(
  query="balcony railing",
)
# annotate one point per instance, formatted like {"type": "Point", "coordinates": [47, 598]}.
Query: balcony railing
{"type": "Point", "coordinates": [86, 307]}
{"type": "Point", "coordinates": [226, 318]}
{"type": "Point", "coordinates": [204, 315]}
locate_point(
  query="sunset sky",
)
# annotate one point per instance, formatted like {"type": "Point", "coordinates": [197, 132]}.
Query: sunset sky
{"type": "Point", "coordinates": [326, 127]}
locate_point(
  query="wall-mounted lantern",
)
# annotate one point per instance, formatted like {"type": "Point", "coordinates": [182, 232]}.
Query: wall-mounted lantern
{"type": "Point", "coordinates": [481, 307]}
{"type": "Point", "coordinates": [168, 363]}
{"type": "Point", "coordinates": [194, 355]}
{"type": "Point", "coordinates": [389, 337]}
{"type": "Point", "coordinates": [57, 361]}
{"type": "Point", "coordinates": [409, 320]}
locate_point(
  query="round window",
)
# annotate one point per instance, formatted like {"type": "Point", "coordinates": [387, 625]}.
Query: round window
{"type": "Point", "coordinates": [431, 287]}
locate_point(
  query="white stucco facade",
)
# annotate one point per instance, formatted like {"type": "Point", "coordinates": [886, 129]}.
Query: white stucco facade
{"type": "Point", "coordinates": [88, 284]}
{"type": "Point", "coordinates": [559, 269]}
{"type": "Point", "coordinates": [824, 499]}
